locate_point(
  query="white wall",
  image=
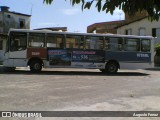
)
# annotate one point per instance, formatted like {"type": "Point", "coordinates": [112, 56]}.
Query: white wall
{"type": "Point", "coordinates": [135, 27]}
{"type": "Point", "coordinates": [12, 20]}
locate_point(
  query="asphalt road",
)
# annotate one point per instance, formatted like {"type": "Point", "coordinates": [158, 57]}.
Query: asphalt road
{"type": "Point", "coordinates": [80, 90]}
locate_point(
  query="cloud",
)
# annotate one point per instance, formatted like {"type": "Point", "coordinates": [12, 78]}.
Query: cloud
{"type": "Point", "coordinates": [70, 12]}
{"type": "Point", "coordinates": [118, 14]}
{"type": "Point", "coordinates": [118, 11]}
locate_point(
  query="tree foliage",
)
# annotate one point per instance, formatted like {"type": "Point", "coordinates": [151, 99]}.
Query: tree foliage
{"type": "Point", "coordinates": [128, 6]}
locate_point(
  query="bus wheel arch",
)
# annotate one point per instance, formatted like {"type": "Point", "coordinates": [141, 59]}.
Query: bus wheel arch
{"type": "Point", "coordinates": [112, 66]}
{"type": "Point", "coordinates": [35, 64]}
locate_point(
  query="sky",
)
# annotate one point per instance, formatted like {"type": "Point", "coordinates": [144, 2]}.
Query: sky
{"type": "Point", "coordinates": [60, 14]}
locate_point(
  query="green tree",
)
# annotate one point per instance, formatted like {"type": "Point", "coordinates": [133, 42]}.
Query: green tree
{"type": "Point", "coordinates": [128, 6]}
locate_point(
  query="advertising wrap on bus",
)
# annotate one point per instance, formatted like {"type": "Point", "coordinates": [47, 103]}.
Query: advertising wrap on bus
{"type": "Point", "coordinates": [59, 57]}
{"type": "Point", "coordinates": [96, 56]}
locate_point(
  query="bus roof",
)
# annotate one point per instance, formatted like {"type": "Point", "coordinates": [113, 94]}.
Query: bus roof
{"type": "Point", "coordinates": [74, 33]}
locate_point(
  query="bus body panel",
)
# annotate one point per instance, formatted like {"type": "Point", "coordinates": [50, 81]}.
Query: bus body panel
{"type": "Point", "coordinates": [15, 59]}
{"type": "Point", "coordinates": [78, 65]}
{"type": "Point", "coordinates": [131, 60]}
{"type": "Point", "coordinates": [76, 58]}
{"type": "Point", "coordinates": [129, 56]}
{"type": "Point", "coordinates": [37, 52]}
{"type": "Point", "coordinates": [78, 50]}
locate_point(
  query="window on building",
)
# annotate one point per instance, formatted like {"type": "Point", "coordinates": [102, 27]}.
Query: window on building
{"type": "Point", "coordinates": [128, 32]}
{"type": "Point", "coordinates": [9, 16]}
{"type": "Point", "coordinates": [21, 23]}
{"type": "Point", "coordinates": [156, 32]}
{"type": "Point", "coordinates": [142, 31]}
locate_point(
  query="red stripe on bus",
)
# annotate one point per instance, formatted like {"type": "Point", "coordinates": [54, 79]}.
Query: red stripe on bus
{"type": "Point", "coordinates": [37, 52]}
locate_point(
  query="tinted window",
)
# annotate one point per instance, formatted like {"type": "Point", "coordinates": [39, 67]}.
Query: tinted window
{"type": "Point", "coordinates": [94, 42]}
{"type": "Point", "coordinates": [114, 44]}
{"type": "Point", "coordinates": [132, 44]}
{"type": "Point", "coordinates": [1, 44]}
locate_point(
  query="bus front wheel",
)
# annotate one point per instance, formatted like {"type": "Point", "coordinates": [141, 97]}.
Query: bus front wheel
{"type": "Point", "coordinates": [111, 67]}
{"type": "Point", "coordinates": [36, 66]}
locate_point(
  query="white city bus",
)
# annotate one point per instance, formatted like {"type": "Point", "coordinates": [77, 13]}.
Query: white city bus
{"type": "Point", "coordinates": [48, 49]}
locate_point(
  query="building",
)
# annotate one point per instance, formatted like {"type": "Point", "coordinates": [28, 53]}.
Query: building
{"type": "Point", "coordinates": [104, 27]}
{"type": "Point", "coordinates": [9, 20]}
{"type": "Point", "coordinates": [141, 27]}
{"type": "Point", "coordinates": [111, 26]}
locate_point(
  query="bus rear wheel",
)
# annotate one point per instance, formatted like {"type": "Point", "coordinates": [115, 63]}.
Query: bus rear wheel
{"type": "Point", "coordinates": [111, 67]}
{"type": "Point", "coordinates": [36, 66]}
{"type": "Point", "coordinates": [10, 69]}
{"type": "Point", "coordinates": [103, 70]}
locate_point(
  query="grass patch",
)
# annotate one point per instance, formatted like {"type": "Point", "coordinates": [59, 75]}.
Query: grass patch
{"type": "Point", "coordinates": [157, 46]}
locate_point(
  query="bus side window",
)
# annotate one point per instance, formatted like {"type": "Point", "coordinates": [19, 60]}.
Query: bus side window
{"type": "Point", "coordinates": [18, 41]}
{"type": "Point", "coordinates": [94, 42]}
{"type": "Point", "coordinates": [132, 44]}
{"type": "Point", "coordinates": [60, 42]}
{"type": "Point", "coordinates": [81, 43]}
{"type": "Point", "coordinates": [55, 41]}
{"type": "Point", "coordinates": [36, 40]}
{"type": "Point", "coordinates": [113, 44]}
{"type": "Point", "coordinates": [73, 41]}
{"type": "Point", "coordinates": [145, 45]}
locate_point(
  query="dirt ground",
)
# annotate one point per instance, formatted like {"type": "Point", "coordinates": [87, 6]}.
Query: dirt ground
{"type": "Point", "coordinates": [80, 90]}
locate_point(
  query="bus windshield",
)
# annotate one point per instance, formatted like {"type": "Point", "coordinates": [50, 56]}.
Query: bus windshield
{"type": "Point", "coordinates": [18, 41]}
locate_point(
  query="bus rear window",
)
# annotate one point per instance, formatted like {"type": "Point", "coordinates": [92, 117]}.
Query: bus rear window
{"type": "Point", "coordinates": [145, 45]}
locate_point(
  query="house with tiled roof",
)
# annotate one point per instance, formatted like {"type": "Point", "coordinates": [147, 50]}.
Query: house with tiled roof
{"type": "Point", "coordinates": [104, 27]}
{"type": "Point", "coordinates": [142, 27]}
{"type": "Point", "coordinates": [111, 26]}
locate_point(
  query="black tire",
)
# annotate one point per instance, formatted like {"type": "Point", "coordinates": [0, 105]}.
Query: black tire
{"type": "Point", "coordinates": [103, 70]}
{"type": "Point", "coordinates": [10, 69]}
{"type": "Point", "coordinates": [112, 67]}
{"type": "Point", "coordinates": [36, 66]}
